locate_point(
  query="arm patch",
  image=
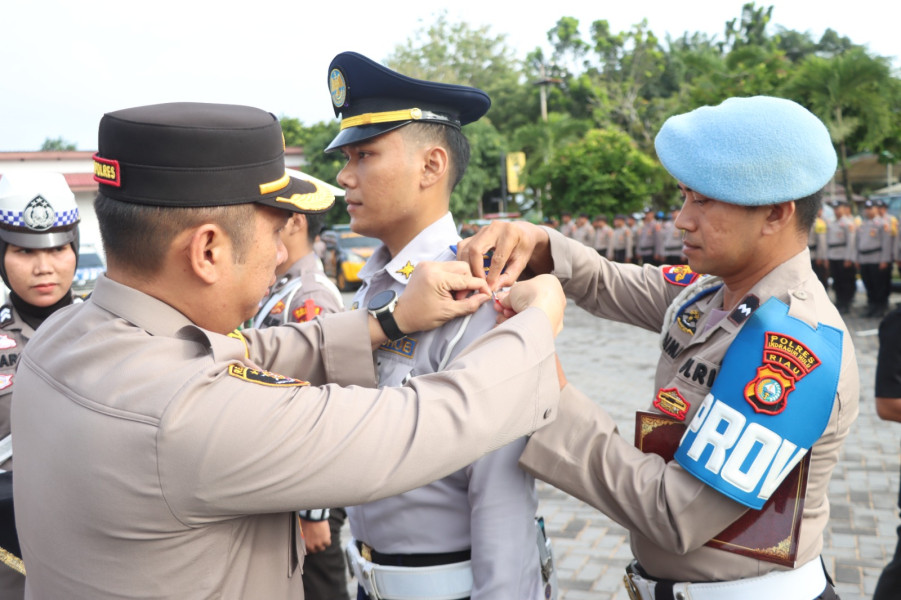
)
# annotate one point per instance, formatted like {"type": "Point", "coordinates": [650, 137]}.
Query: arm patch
{"type": "Point", "coordinates": [679, 275]}
{"type": "Point", "coordinates": [263, 377]}
{"type": "Point", "coordinates": [769, 404]}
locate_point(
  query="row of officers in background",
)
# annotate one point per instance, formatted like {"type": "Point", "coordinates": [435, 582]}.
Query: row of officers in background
{"type": "Point", "coordinates": [847, 246]}
{"type": "Point", "coordinates": [652, 240]}
{"type": "Point", "coordinates": [843, 248]}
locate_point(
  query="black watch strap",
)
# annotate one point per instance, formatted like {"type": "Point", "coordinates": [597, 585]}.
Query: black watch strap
{"type": "Point", "coordinates": [389, 325]}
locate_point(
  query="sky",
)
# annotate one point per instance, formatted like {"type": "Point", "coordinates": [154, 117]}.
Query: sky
{"type": "Point", "coordinates": [64, 63]}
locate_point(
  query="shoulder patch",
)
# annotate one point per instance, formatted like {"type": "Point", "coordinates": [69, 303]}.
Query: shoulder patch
{"type": "Point", "coordinates": [306, 312]}
{"type": "Point", "coordinates": [744, 309]}
{"type": "Point", "coordinates": [5, 381]}
{"type": "Point", "coordinates": [263, 377]}
{"type": "Point", "coordinates": [679, 275]}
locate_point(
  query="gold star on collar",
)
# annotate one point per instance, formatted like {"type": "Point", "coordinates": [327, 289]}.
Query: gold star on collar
{"type": "Point", "coordinates": [407, 270]}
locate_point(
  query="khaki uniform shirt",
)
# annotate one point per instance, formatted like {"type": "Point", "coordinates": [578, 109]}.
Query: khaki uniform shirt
{"type": "Point", "coordinates": [156, 459]}
{"type": "Point", "coordinates": [14, 334]}
{"type": "Point", "coordinates": [488, 506]}
{"type": "Point", "coordinates": [840, 239]}
{"type": "Point", "coordinates": [670, 513]}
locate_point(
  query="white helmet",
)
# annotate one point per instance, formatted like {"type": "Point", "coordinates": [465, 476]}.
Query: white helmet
{"type": "Point", "coordinates": [37, 210]}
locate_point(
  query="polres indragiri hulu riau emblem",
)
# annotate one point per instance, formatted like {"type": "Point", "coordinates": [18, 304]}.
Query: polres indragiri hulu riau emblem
{"type": "Point", "coordinates": [38, 214]}
{"type": "Point", "coordinates": [785, 361]}
{"type": "Point", "coordinates": [338, 87]}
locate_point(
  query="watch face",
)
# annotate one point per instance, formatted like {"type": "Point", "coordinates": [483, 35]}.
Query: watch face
{"type": "Point", "coordinates": [382, 299]}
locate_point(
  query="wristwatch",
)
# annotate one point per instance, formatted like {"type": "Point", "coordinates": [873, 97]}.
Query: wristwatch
{"type": "Point", "coordinates": [381, 306]}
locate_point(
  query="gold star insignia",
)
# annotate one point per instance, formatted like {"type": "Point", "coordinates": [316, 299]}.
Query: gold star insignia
{"type": "Point", "coordinates": [407, 270]}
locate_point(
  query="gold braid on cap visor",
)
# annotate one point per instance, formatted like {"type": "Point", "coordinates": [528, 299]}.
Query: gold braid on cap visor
{"type": "Point", "coordinates": [321, 199]}
{"type": "Point", "coordinates": [392, 116]}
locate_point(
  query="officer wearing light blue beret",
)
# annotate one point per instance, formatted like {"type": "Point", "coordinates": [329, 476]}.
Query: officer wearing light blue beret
{"type": "Point", "coordinates": [756, 385]}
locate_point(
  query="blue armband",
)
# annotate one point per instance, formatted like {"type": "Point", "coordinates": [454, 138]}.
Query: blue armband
{"type": "Point", "coordinates": [769, 404]}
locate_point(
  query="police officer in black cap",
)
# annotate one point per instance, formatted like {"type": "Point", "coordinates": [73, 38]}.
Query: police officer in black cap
{"type": "Point", "coordinates": [162, 453]}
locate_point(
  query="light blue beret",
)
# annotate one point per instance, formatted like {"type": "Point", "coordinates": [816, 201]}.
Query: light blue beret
{"type": "Point", "coordinates": [749, 151]}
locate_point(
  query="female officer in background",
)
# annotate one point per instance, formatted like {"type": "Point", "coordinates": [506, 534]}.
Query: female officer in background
{"type": "Point", "coordinates": [39, 249]}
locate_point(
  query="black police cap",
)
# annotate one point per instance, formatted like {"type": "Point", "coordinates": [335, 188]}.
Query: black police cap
{"type": "Point", "coordinates": [373, 99]}
{"type": "Point", "coordinates": [188, 154]}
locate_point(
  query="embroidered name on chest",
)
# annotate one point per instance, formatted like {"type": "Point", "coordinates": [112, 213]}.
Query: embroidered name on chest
{"type": "Point", "coordinates": [405, 346]}
{"type": "Point", "coordinates": [8, 360]}
{"type": "Point", "coordinates": [698, 372]}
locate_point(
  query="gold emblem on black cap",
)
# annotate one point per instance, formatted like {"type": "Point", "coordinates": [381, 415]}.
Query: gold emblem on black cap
{"type": "Point", "coordinates": [338, 87]}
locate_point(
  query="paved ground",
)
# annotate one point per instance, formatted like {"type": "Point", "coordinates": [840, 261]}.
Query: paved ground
{"type": "Point", "coordinates": [615, 363]}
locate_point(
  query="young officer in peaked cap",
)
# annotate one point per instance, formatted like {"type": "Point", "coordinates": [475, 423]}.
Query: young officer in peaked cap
{"type": "Point", "coordinates": [473, 533]}
{"type": "Point", "coordinates": [756, 375]}
{"type": "Point", "coordinates": [161, 453]}
{"type": "Point", "coordinates": [38, 255]}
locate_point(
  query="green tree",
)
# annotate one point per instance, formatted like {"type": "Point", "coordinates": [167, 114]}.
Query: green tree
{"type": "Point", "coordinates": [854, 95]}
{"type": "Point", "coordinates": [463, 54]}
{"type": "Point", "coordinates": [604, 172]}
{"type": "Point", "coordinates": [56, 145]}
{"type": "Point", "coordinates": [483, 175]}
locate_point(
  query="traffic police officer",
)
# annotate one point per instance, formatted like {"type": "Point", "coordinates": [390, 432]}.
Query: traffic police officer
{"type": "Point", "coordinates": [38, 255]}
{"type": "Point", "coordinates": [756, 365]}
{"type": "Point", "coordinates": [874, 258]}
{"type": "Point", "coordinates": [160, 452]}
{"type": "Point", "coordinates": [840, 252]}
{"type": "Point", "coordinates": [471, 534]}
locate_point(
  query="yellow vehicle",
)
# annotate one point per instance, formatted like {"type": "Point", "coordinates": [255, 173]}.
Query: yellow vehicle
{"type": "Point", "coordinates": [345, 254]}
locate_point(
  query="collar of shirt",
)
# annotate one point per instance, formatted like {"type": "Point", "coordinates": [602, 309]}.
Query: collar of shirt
{"type": "Point", "coordinates": [788, 279]}
{"type": "Point", "coordinates": [432, 243]}
{"type": "Point", "coordinates": [158, 318]}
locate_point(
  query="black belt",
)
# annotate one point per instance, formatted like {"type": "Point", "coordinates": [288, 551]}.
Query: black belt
{"type": "Point", "coordinates": [842, 245]}
{"type": "Point", "coordinates": [415, 560]}
{"type": "Point", "coordinates": [870, 251]}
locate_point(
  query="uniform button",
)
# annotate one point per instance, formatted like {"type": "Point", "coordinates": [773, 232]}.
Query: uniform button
{"type": "Point", "coordinates": [680, 596]}
{"type": "Point", "coordinates": [547, 413]}
{"type": "Point", "coordinates": [800, 295]}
